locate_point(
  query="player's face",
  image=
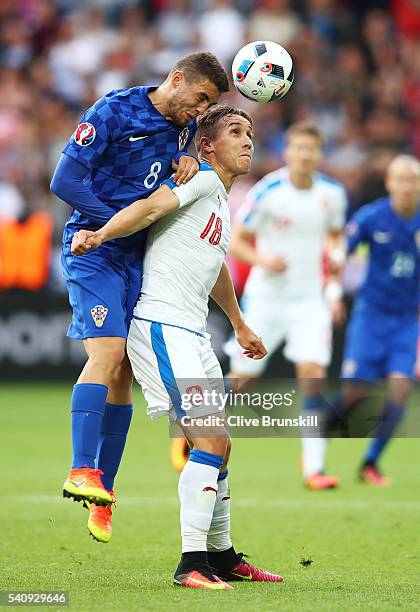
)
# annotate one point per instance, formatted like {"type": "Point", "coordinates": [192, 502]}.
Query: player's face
{"type": "Point", "coordinates": [303, 154]}
{"type": "Point", "coordinates": [403, 185]}
{"type": "Point", "coordinates": [190, 99]}
{"type": "Point", "coordinates": [233, 147]}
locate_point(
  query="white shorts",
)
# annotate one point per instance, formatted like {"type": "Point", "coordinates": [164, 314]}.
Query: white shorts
{"type": "Point", "coordinates": [305, 326]}
{"type": "Point", "coordinates": [175, 366]}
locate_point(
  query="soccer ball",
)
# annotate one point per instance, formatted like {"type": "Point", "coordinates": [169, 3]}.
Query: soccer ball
{"type": "Point", "coordinates": [263, 71]}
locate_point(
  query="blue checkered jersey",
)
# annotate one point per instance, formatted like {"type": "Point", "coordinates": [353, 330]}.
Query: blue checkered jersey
{"type": "Point", "coordinates": [393, 277]}
{"type": "Point", "coordinates": [127, 146]}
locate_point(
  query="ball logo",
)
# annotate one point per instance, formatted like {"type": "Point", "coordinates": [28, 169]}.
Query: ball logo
{"type": "Point", "coordinates": [85, 134]}
{"type": "Point", "coordinates": [266, 67]}
{"type": "Point", "coordinates": [278, 91]}
{"type": "Point", "coordinates": [240, 77]}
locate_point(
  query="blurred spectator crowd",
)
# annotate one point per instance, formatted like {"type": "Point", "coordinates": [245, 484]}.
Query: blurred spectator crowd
{"type": "Point", "coordinates": [357, 76]}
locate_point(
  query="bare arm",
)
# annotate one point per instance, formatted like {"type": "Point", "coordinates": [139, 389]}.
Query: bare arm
{"type": "Point", "coordinates": [223, 294]}
{"type": "Point", "coordinates": [242, 249]}
{"type": "Point", "coordinates": [137, 216]}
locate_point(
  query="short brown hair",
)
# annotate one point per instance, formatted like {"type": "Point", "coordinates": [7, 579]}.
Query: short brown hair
{"type": "Point", "coordinates": [201, 66]}
{"type": "Point", "coordinates": [304, 128]}
{"type": "Point", "coordinates": [208, 122]}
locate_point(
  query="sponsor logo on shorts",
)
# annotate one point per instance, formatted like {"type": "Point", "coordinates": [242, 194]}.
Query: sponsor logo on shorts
{"type": "Point", "coordinates": [85, 134]}
{"type": "Point", "coordinates": [99, 313]}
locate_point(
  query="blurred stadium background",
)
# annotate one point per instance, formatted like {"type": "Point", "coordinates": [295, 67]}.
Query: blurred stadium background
{"type": "Point", "coordinates": [357, 67]}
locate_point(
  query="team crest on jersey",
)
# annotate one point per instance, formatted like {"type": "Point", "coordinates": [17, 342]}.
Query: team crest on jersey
{"type": "Point", "coordinates": [85, 134]}
{"type": "Point", "coordinates": [99, 313]}
{"type": "Point", "coordinates": [183, 137]}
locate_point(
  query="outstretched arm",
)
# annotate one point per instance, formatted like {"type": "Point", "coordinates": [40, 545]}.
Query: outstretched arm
{"type": "Point", "coordinates": [137, 216]}
{"type": "Point", "coordinates": [223, 294]}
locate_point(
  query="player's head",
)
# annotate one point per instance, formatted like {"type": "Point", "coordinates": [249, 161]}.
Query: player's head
{"type": "Point", "coordinates": [303, 150]}
{"type": "Point", "coordinates": [196, 82]}
{"type": "Point", "coordinates": [224, 136]}
{"type": "Point", "coordinates": [403, 182]}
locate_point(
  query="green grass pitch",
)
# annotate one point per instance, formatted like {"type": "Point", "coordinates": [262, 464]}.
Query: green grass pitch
{"type": "Point", "coordinates": [364, 543]}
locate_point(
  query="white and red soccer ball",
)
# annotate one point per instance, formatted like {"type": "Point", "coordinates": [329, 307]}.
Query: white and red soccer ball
{"type": "Point", "coordinates": [263, 71]}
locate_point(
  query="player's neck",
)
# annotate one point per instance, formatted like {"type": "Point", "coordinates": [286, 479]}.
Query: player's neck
{"type": "Point", "coordinates": [159, 99]}
{"type": "Point", "coordinates": [404, 210]}
{"type": "Point", "coordinates": [301, 181]}
{"type": "Point", "coordinates": [224, 175]}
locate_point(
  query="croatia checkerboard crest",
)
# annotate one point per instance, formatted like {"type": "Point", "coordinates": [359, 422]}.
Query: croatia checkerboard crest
{"type": "Point", "coordinates": [183, 137]}
{"type": "Point", "coordinates": [99, 313]}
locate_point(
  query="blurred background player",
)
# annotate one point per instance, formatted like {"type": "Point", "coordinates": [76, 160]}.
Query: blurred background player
{"type": "Point", "coordinates": [292, 214]}
{"type": "Point", "coordinates": [168, 346]}
{"type": "Point", "coordinates": [126, 144]}
{"type": "Point", "coordinates": [382, 334]}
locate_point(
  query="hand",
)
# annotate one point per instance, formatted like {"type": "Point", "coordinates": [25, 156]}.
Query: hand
{"type": "Point", "coordinates": [274, 264]}
{"type": "Point", "coordinates": [184, 171]}
{"type": "Point", "coordinates": [253, 344]}
{"type": "Point", "coordinates": [338, 311]}
{"type": "Point", "coordinates": [84, 241]}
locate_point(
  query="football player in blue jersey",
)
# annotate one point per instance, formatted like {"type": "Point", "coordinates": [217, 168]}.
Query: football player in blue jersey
{"type": "Point", "coordinates": [126, 144]}
{"type": "Point", "coordinates": [382, 334]}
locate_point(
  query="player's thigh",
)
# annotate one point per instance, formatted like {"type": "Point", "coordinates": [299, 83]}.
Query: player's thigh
{"type": "Point", "coordinates": [266, 318]}
{"type": "Point", "coordinates": [308, 337]}
{"type": "Point", "coordinates": [166, 362]}
{"type": "Point", "coordinates": [365, 346]}
{"type": "Point", "coordinates": [97, 295]}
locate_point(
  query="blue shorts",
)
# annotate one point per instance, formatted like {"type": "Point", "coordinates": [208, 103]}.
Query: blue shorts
{"type": "Point", "coordinates": [379, 343]}
{"type": "Point", "coordinates": [103, 287]}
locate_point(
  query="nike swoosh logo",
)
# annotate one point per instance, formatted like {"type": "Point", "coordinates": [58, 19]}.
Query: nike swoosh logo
{"type": "Point", "coordinates": [249, 577]}
{"type": "Point", "coordinates": [77, 484]}
{"type": "Point", "coordinates": [210, 585]}
{"type": "Point", "coordinates": [134, 138]}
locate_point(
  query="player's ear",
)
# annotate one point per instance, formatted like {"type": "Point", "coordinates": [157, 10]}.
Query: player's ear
{"type": "Point", "coordinates": [177, 77]}
{"type": "Point", "coordinates": [205, 145]}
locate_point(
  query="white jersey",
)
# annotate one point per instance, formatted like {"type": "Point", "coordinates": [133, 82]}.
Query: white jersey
{"type": "Point", "coordinates": [184, 254]}
{"type": "Point", "coordinates": [291, 223]}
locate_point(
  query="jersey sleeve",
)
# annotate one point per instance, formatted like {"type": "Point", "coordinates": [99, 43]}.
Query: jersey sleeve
{"type": "Point", "coordinates": [251, 213]}
{"type": "Point", "coordinates": [357, 229]}
{"type": "Point", "coordinates": [98, 127]}
{"type": "Point", "coordinates": [338, 208]}
{"type": "Point", "coordinates": [202, 185]}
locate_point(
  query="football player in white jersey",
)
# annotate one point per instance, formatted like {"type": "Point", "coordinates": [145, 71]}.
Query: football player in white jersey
{"type": "Point", "coordinates": [168, 346]}
{"type": "Point", "coordinates": [281, 230]}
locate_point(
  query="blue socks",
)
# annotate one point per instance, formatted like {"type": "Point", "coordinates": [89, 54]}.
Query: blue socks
{"type": "Point", "coordinates": [313, 403]}
{"type": "Point", "coordinates": [112, 439]}
{"type": "Point", "coordinates": [390, 419]}
{"type": "Point", "coordinates": [87, 409]}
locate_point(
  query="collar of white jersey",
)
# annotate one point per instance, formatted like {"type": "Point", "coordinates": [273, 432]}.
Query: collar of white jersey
{"type": "Point", "coordinates": [206, 166]}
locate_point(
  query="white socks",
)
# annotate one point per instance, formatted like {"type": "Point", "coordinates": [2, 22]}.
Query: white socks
{"type": "Point", "coordinates": [197, 491]}
{"type": "Point", "coordinates": [313, 455]}
{"type": "Point", "coordinates": [218, 538]}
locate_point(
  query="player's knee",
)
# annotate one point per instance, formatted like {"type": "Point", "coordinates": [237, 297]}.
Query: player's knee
{"type": "Point", "coordinates": [310, 371]}
{"type": "Point", "coordinates": [108, 359]}
{"type": "Point", "coordinates": [123, 374]}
